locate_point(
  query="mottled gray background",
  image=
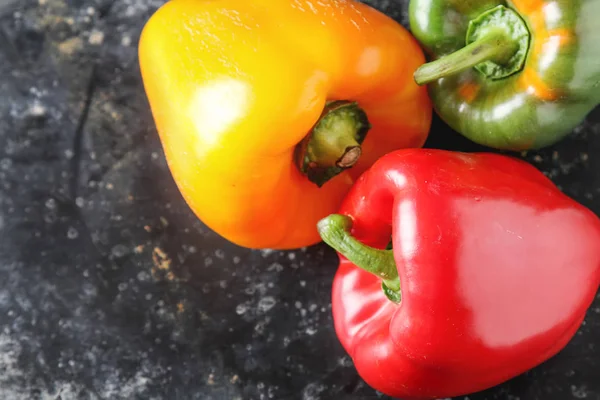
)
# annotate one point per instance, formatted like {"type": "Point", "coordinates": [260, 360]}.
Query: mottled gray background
{"type": "Point", "coordinates": [111, 289]}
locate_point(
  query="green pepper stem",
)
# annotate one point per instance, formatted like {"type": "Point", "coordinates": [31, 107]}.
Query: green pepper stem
{"type": "Point", "coordinates": [494, 46]}
{"type": "Point", "coordinates": [335, 231]}
{"type": "Point", "coordinates": [334, 143]}
{"type": "Point", "coordinates": [497, 44]}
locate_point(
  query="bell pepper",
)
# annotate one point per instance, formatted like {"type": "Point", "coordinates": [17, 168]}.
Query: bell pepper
{"type": "Point", "coordinates": [268, 110]}
{"type": "Point", "coordinates": [491, 271]}
{"type": "Point", "coordinates": [511, 75]}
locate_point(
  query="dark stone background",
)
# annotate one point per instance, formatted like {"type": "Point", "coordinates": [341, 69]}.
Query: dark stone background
{"type": "Point", "coordinates": [109, 286]}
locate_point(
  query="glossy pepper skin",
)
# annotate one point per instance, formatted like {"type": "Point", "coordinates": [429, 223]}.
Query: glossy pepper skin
{"type": "Point", "coordinates": [544, 100]}
{"type": "Point", "coordinates": [234, 87]}
{"type": "Point", "coordinates": [496, 270]}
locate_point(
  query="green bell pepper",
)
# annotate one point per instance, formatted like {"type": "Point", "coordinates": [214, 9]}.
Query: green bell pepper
{"type": "Point", "coordinates": [511, 75]}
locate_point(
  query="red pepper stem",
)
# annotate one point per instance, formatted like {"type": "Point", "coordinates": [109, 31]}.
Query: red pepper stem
{"type": "Point", "coordinates": [334, 143]}
{"type": "Point", "coordinates": [335, 231]}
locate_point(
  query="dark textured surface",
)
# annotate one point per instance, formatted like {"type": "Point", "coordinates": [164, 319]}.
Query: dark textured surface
{"type": "Point", "coordinates": [111, 289]}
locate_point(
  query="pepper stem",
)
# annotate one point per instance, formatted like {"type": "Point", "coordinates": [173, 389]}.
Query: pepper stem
{"type": "Point", "coordinates": [497, 45]}
{"type": "Point", "coordinates": [334, 143]}
{"type": "Point", "coordinates": [335, 231]}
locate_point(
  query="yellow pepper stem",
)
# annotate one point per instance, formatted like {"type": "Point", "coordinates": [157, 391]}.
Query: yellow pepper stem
{"type": "Point", "coordinates": [334, 143]}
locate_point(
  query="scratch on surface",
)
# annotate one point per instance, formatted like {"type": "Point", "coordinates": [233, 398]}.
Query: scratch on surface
{"type": "Point", "coordinates": [353, 22]}
{"type": "Point", "coordinates": [78, 138]}
{"type": "Point", "coordinates": [119, 162]}
{"type": "Point", "coordinates": [514, 233]}
{"type": "Point", "coordinates": [7, 43]}
{"type": "Point", "coordinates": [502, 228]}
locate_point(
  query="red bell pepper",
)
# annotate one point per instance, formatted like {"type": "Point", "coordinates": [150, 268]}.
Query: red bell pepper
{"type": "Point", "coordinates": [491, 272]}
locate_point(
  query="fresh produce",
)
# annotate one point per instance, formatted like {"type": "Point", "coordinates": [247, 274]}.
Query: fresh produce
{"type": "Point", "coordinates": [512, 75]}
{"type": "Point", "coordinates": [491, 272]}
{"type": "Point", "coordinates": [262, 107]}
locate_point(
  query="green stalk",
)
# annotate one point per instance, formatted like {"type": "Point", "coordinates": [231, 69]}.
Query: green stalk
{"type": "Point", "coordinates": [497, 43]}
{"type": "Point", "coordinates": [335, 231]}
{"type": "Point", "coordinates": [334, 143]}
{"type": "Point", "coordinates": [495, 46]}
